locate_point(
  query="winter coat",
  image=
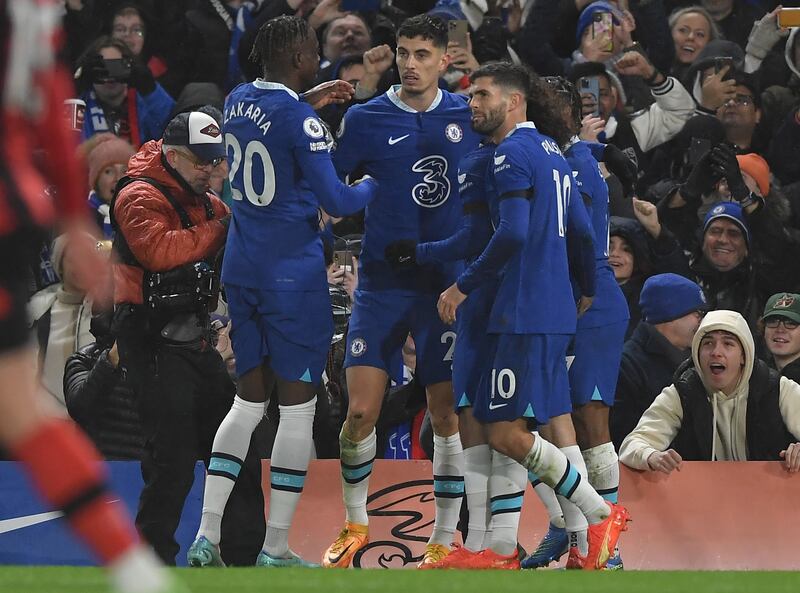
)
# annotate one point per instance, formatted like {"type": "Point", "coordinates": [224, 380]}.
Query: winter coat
{"type": "Point", "coordinates": [648, 364]}
{"type": "Point", "coordinates": [101, 402]}
{"type": "Point", "coordinates": [152, 228]}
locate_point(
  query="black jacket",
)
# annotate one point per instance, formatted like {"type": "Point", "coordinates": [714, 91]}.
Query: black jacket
{"type": "Point", "coordinates": [102, 403]}
{"type": "Point", "coordinates": [792, 371]}
{"type": "Point", "coordinates": [766, 432]}
{"type": "Point", "coordinates": [648, 363]}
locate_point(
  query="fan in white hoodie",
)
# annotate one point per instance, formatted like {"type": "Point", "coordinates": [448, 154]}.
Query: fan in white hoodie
{"type": "Point", "coordinates": [723, 353]}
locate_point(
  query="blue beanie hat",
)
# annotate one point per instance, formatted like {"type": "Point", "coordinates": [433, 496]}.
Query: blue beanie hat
{"type": "Point", "coordinates": [585, 20]}
{"type": "Point", "coordinates": [449, 10]}
{"type": "Point", "coordinates": [730, 210]}
{"type": "Point", "coordinates": [665, 297]}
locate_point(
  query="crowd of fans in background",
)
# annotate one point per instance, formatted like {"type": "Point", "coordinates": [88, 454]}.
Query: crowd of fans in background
{"type": "Point", "coordinates": [703, 98]}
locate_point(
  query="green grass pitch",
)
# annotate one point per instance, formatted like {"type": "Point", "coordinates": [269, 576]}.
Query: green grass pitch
{"type": "Point", "coordinates": [254, 580]}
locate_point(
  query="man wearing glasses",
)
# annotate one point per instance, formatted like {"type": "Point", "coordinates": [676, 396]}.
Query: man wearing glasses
{"type": "Point", "coordinates": [741, 113]}
{"type": "Point", "coordinates": [781, 334]}
{"type": "Point", "coordinates": [169, 229]}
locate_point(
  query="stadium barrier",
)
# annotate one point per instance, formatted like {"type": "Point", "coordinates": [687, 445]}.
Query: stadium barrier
{"type": "Point", "coordinates": [708, 516]}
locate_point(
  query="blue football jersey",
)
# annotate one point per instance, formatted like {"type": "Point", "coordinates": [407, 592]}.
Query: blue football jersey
{"type": "Point", "coordinates": [609, 305]}
{"type": "Point", "coordinates": [472, 173]}
{"type": "Point", "coordinates": [280, 171]}
{"type": "Point", "coordinates": [414, 157]}
{"type": "Point", "coordinates": [475, 231]}
{"type": "Point", "coordinates": [535, 294]}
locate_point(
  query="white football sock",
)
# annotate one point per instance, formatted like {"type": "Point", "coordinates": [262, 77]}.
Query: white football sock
{"type": "Point", "coordinates": [288, 467]}
{"type": "Point", "coordinates": [356, 462]}
{"type": "Point", "coordinates": [448, 487]}
{"type": "Point", "coordinates": [506, 490]}
{"type": "Point", "coordinates": [227, 455]}
{"type": "Point", "coordinates": [553, 468]}
{"type": "Point", "coordinates": [477, 467]}
{"type": "Point", "coordinates": [549, 500]}
{"type": "Point", "coordinates": [602, 466]}
{"type": "Point", "coordinates": [138, 570]}
{"type": "Point", "coordinates": [574, 519]}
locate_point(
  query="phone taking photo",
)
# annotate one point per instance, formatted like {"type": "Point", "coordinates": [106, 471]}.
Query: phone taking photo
{"type": "Point", "coordinates": [789, 17]}
{"type": "Point", "coordinates": [697, 149]}
{"type": "Point", "coordinates": [603, 29]}
{"type": "Point", "coordinates": [721, 62]}
{"type": "Point", "coordinates": [590, 89]}
{"type": "Point", "coordinates": [343, 259]}
{"type": "Point", "coordinates": [457, 32]}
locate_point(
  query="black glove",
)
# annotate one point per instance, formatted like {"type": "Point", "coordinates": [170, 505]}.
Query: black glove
{"type": "Point", "coordinates": [724, 163]}
{"type": "Point", "coordinates": [618, 163]}
{"type": "Point", "coordinates": [141, 78]}
{"type": "Point", "coordinates": [701, 180]}
{"type": "Point", "coordinates": [401, 255]}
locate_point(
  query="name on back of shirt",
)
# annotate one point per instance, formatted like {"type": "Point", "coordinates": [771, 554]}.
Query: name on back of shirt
{"type": "Point", "coordinates": [250, 111]}
{"type": "Point", "coordinates": [550, 147]}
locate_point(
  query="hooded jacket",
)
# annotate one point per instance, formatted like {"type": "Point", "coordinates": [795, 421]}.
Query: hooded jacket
{"type": "Point", "coordinates": [719, 48]}
{"type": "Point", "coordinates": [762, 410]}
{"type": "Point", "coordinates": [780, 105]}
{"type": "Point", "coordinates": [152, 227]}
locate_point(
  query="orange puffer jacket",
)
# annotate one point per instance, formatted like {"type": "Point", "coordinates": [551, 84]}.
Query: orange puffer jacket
{"type": "Point", "coordinates": [152, 227]}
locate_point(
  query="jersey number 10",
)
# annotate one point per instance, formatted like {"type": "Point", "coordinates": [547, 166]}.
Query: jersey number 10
{"type": "Point", "coordinates": [253, 148]}
{"type": "Point", "coordinates": [563, 191]}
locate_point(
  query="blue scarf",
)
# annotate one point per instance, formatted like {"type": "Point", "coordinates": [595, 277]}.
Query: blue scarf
{"type": "Point", "coordinates": [244, 19]}
{"type": "Point", "coordinates": [100, 207]}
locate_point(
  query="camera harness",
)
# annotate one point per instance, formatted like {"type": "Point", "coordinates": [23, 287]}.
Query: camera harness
{"type": "Point", "coordinates": [156, 286]}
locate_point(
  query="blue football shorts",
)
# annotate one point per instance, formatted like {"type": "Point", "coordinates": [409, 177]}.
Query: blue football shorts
{"type": "Point", "coordinates": [527, 379]}
{"type": "Point", "coordinates": [380, 324]}
{"type": "Point", "coordinates": [290, 331]}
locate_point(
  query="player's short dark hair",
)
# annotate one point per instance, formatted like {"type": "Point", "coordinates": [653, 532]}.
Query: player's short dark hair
{"type": "Point", "coordinates": [277, 38]}
{"type": "Point", "coordinates": [426, 26]}
{"type": "Point", "coordinates": [506, 74]}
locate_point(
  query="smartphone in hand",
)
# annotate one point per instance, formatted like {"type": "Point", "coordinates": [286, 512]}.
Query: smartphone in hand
{"type": "Point", "coordinates": [789, 17]}
{"type": "Point", "coordinates": [589, 87]}
{"type": "Point", "coordinates": [457, 32]}
{"type": "Point", "coordinates": [603, 29]}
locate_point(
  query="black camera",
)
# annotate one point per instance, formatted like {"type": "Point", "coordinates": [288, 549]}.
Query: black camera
{"type": "Point", "coordinates": [190, 288]}
{"type": "Point", "coordinates": [102, 70]}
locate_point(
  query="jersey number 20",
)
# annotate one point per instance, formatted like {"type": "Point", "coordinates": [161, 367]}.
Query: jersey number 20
{"type": "Point", "coordinates": [253, 148]}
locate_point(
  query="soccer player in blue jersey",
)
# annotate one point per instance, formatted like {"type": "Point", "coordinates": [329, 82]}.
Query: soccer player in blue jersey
{"type": "Point", "coordinates": [491, 479]}
{"type": "Point", "coordinates": [594, 355]}
{"type": "Point", "coordinates": [469, 352]}
{"type": "Point", "coordinates": [534, 315]}
{"type": "Point", "coordinates": [411, 140]}
{"type": "Point", "coordinates": [275, 280]}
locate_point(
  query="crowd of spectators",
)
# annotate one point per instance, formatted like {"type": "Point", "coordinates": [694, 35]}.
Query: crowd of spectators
{"type": "Point", "coordinates": [703, 98]}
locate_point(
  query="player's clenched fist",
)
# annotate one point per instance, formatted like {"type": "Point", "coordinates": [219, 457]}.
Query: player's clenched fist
{"type": "Point", "coordinates": [378, 60]}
